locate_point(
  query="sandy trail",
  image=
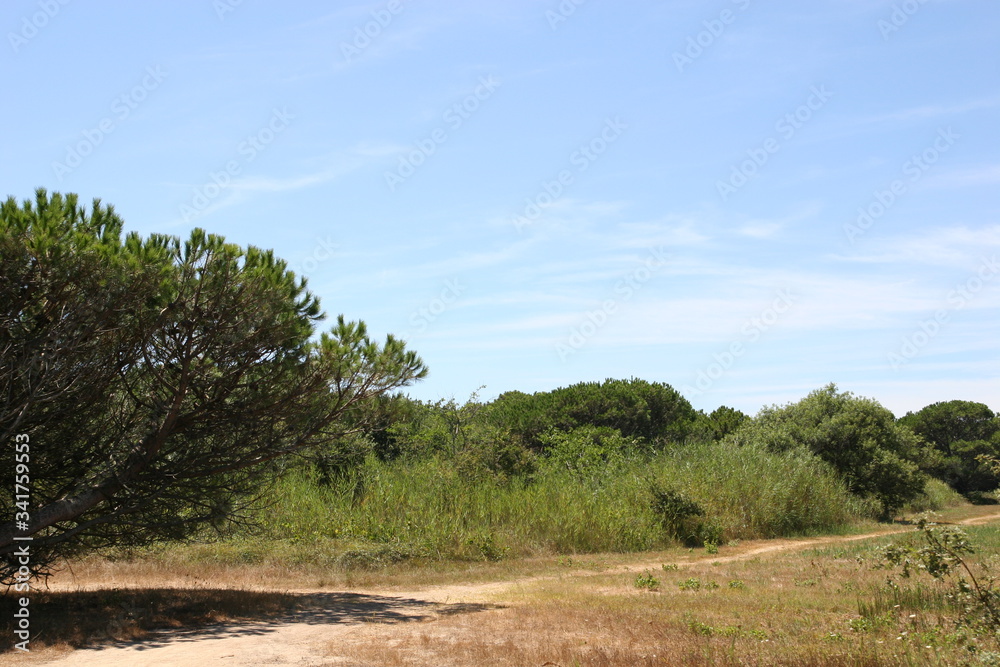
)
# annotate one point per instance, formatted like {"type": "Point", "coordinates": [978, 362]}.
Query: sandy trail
{"type": "Point", "coordinates": [304, 637]}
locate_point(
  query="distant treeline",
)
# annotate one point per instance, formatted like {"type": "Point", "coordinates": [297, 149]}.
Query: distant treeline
{"type": "Point", "coordinates": [879, 459]}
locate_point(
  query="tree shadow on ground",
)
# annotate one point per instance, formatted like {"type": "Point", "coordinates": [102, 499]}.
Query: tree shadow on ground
{"type": "Point", "coordinates": [149, 618]}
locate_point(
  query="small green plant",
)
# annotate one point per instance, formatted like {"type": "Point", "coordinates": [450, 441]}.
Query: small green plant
{"type": "Point", "coordinates": [692, 584]}
{"type": "Point", "coordinates": [736, 583]}
{"type": "Point", "coordinates": [700, 628]}
{"type": "Point", "coordinates": [648, 581]}
{"type": "Point", "coordinates": [669, 567]}
{"type": "Point", "coordinates": [872, 623]}
{"type": "Point", "coordinates": [945, 557]}
{"type": "Point", "coordinates": [711, 548]}
{"type": "Point", "coordinates": [710, 533]}
{"type": "Point", "coordinates": [487, 547]}
{"type": "Point", "coordinates": [731, 631]}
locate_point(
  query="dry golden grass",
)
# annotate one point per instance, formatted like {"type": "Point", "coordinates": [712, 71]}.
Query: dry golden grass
{"type": "Point", "coordinates": [796, 602]}
{"type": "Point", "coordinates": [786, 614]}
{"type": "Point", "coordinates": [179, 570]}
{"type": "Point", "coordinates": [783, 608]}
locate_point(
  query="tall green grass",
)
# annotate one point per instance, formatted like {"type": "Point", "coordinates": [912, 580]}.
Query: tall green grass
{"type": "Point", "coordinates": [754, 493]}
{"type": "Point", "coordinates": [429, 508]}
{"type": "Point", "coordinates": [936, 496]}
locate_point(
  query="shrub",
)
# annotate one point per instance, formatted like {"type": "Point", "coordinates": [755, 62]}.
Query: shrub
{"type": "Point", "coordinates": [429, 506]}
{"type": "Point", "coordinates": [638, 410]}
{"type": "Point", "coordinates": [750, 491]}
{"type": "Point", "coordinates": [876, 457]}
{"type": "Point", "coordinates": [589, 453]}
{"type": "Point", "coordinates": [678, 513]}
{"type": "Point", "coordinates": [717, 425]}
{"type": "Point", "coordinates": [936, 496]}
{"type": "Point", "coordinates": [946, 557]}
{"type": "Point", "coordinates": [647, 581]}
{"type": "Point", "coordinates": [959, 431]}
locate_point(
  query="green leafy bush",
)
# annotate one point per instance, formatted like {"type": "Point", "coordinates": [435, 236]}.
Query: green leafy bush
{"type": "Point", "coordinates": [946, 557]}
{"type": "Point", "coordinates": [640, 410]}
{"type": "Point", "coordinates": [590, 453]}
{"type": "Point", "coordinates": [679, 514]}
{"type": "Point", "coordinates": [876, 457]}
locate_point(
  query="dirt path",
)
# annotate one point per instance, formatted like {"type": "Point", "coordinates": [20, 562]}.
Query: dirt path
{"type": "Point", "coordinates": [305, 637]}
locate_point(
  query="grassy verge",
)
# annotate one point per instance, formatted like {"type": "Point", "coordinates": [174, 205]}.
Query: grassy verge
{"type": "Point", "coordinates": [821, 605]}
{"type": "Point", "coordinates": [430, 509]}
{"type": "Point", "coordinates": [818, 607]}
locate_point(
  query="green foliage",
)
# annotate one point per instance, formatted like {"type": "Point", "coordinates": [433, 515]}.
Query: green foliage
{"type": "Point", "coordinates": [339, 459]}
{"type": "Point", "coordinates": [750, 491]}
{"type": "Point", "coordinates": [375, 557]}
{"type": "Point", "coordinates": [730, 631]}
{"type": "Point", "coordinates": [429, 506]}
{"type": "Point", "coordinates": [717, 425]}
{"type": "Point", "coordinates": [157, 378]}
{"type": "Point", "coordinates": [865, 624]}
{"type": "Point", "coordinates": [690, 584]}
{"type": "Point", "coordinates": [375, 424]}
{"type": "Point", "coordinates": [942, 424]}
{"type": "Point", "coordinates": [650, 412]}
{"type": "Point", "coordinates": [486, 545]}
{"type": "Point", "coordinates": [946, 557]}
{"type": "Point", "coordinates": [679, 514]}
{"type": "Point", "coordinates": [590, 453]}
{"type": "Point", "coordinates": [936, 496]}
{"type": "Point", "coordinates": [647, 581]}
{"type": "Point", "coordinates": [960, 431]}
{"type": "Point", "coordinates": [695, 584]}
{"type": "Point", "coordinates": [876, 457]}
{"type": "Point", "coordinates": [462, 433]}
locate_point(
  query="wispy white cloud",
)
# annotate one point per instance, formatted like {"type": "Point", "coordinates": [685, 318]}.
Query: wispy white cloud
{"type": "Point", "coordinates": [332, 167]}
{"type": "Point", "coordinates": [988, 174]}
{"type": "Point", "coordinates": [956, 247]}
{"type": "Point", "coordinates": [927, 112]}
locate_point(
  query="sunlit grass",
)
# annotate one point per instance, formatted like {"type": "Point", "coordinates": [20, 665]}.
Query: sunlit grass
{"type": "Point", "coordinates": [428, 510]}
{"type": "Point", "coordinates": [816, 607]}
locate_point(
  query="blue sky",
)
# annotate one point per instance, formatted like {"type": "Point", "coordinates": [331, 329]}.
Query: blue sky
{"type": "Point", "coordinates": [746, 200]}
